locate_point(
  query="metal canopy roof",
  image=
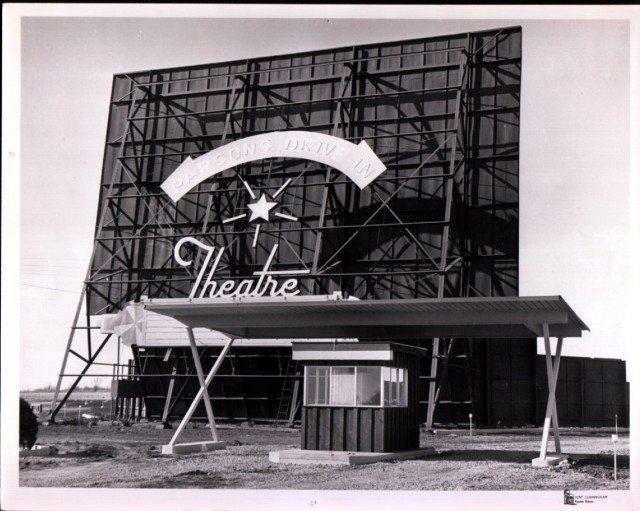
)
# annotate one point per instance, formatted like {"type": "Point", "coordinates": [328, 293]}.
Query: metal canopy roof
{"type": "Point", "coordinates": [507, 317]}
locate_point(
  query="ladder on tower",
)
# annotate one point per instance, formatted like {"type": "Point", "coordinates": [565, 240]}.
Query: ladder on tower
{"type": "Point", "coordinates": [456, 354]}
{"type": "Point", "coordinates": [289, 402]}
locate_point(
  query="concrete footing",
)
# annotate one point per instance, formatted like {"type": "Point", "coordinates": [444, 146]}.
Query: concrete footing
{"type": "Point", "coordinates": [549, 461]}
{"type": "Point", "coordinates": [310, 457]}
{"type": "Point", "coordinates": [192, 447]}
{"type": "Point", "coordinates": [46, 450]}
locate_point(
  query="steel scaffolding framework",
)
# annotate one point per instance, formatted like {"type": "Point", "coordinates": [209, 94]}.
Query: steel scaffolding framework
{"type": "Point", "coordinates": [441, 113]}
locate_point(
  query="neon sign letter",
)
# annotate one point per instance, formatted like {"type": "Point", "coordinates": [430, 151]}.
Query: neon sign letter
{"type": "Point", "coordinates": [265, 284]}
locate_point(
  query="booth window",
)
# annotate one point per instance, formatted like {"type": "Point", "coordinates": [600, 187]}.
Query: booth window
{"type": "Point", "coordinates": [316, 385]}
{"type": "Point", "coordinates": [395, 386]}
{"type": "Point", "coordinates": [371, 386]}
{"type": "Point", "coordinates": [343, 386]}
{"type": "Point", "coordinates": [368, 388]}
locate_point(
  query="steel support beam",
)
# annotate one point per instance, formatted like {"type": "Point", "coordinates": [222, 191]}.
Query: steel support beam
{"type": "Point", "coordinates": [435, 351]}
{"type": "Point", "coordinates": [201, 393]}
{"type": "Point", "coordinates": [344, 82]}
{"type": "Point", "coordinates": [101, 221]}
{"type": "Point", "coordinates": [551, 413]}
{"type": "Point", "coordinates": [172, 382]}
{"type": "Point", "coordinates": [203, 385]}
{"type": "Point", "coordinates": [77, 380]}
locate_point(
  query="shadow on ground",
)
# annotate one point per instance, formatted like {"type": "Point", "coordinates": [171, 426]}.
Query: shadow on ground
{"type": "Point", "coordinates": [577, 460]}
{"type": "Point", "coordinates": [489, 455]}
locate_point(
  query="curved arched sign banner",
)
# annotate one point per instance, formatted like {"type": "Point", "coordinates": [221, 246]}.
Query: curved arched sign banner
{"type": "Point", "coordinates": [358, 162]}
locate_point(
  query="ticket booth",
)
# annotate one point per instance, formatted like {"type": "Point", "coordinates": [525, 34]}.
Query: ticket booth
{"type": "Point", "coordinates": [359, 396]}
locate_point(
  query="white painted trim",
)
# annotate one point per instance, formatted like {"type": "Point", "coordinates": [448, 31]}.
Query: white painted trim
{"type": "Point", "coordinates": [386, 355]}
{"type": "Point", "coordinates": [304, 386]}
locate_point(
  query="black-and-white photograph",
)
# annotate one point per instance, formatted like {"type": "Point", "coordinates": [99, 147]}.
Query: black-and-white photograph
{"type": "Point", "coordinates": [383, 251]}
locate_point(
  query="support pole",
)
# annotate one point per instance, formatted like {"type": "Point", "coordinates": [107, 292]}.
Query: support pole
{"type": "Point", "coordinates": [172, 382]}
{"type": "Point", "coordinates": [65, 357]}
{"type": "Point", "coordinates": [431, 405]}
{"type": "Point", "coordinates": [295, 403]}
{"type": "Point", "coordinates": [55, 407]}
{"type": "Point", "coordinates": [344, 81]}
{"type": "Point", "coordinates": [203, 385]}
{"type": "Point", "coordinates": [551, 414]}
{"type": "Point", "coordinates": [444, 244]}
{"type": "Point", "coordinates": [78, 378]}
{"type": "Point", "coordinates": [169, 448]}
{"type": "Point", "coordinates": [615, 459]}
{"type": "Point", "coordinates": [550, 375]}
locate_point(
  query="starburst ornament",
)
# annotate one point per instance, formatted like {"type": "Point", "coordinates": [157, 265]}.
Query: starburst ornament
{"type": "Point", "coordinates": [261, 208]}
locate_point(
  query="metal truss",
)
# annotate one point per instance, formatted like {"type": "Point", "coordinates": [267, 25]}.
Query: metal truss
{"type": "Point", "coordinates": [421, 106]}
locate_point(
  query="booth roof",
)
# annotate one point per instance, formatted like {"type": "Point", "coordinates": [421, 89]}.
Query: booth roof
{"type": "Point", "coordinates": [497, 317]}
{"type": "Point", "coordinates": [301, 350]}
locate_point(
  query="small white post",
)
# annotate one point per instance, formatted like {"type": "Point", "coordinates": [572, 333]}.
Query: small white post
{"type": "Point", "coordinates": [614, 441]}
{"type": "Point", "coordinates": [470, 424]}
{"type": "Point", "coordinates": [79, 407]}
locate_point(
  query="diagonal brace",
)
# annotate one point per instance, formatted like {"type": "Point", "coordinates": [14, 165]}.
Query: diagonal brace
{"type": "Point", "coordinates": [551, 414]}
{"type": "Point", "coordinates": [204, 385]}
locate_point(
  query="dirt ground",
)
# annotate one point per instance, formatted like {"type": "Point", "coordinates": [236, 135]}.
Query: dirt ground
{"type": "Point", "coordinates": [117, 456]}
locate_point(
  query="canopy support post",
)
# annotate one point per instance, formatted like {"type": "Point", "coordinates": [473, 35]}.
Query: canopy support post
{"type": "Point", "coordinates": [551, 414]}
{"type": "Point", "coordinates": [431, 406]}
{"type": "Point", "coordinates": [167, 402]}
{"type": "Point", "coordinates": [203, 385]}
{"type": "Point", "coordinates": [174, 448]}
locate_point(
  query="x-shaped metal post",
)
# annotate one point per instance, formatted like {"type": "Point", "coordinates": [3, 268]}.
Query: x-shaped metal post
{"type": "Point", "coordinates": [551, 414]}
{"type": "Point", "coordinates": [204, 385]}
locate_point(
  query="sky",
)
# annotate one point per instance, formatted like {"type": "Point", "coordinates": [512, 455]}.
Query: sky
{"type": "Point", "coordinates": [574, 158]}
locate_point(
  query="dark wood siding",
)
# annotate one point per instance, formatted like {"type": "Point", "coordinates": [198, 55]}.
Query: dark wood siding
{"type": "Point", "coordinates": [403, 424]}
{"type": "Point", "coordinates": [353, 430]}
{"type": "Point", "coordinates": [366, 429]}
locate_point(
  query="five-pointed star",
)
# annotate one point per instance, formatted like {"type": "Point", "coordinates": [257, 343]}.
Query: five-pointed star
{"type": "Point", "coordinates": [261, 208]}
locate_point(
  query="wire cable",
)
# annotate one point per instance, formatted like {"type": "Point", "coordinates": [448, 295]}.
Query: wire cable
{"type": "Point", "coordinates": [51, 288]}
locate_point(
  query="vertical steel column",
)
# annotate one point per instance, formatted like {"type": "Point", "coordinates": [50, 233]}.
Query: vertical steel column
{"type": "Point", "coordinates": [295, 402]}
{"type": "Point", "coordinates": [325, 192]}
{"type": "Point", "coordinates": [233, 99]}
{"type": "Point", "coordinates": [435, 351]}
{"type": "Point", "coordinates": [172, 382]}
